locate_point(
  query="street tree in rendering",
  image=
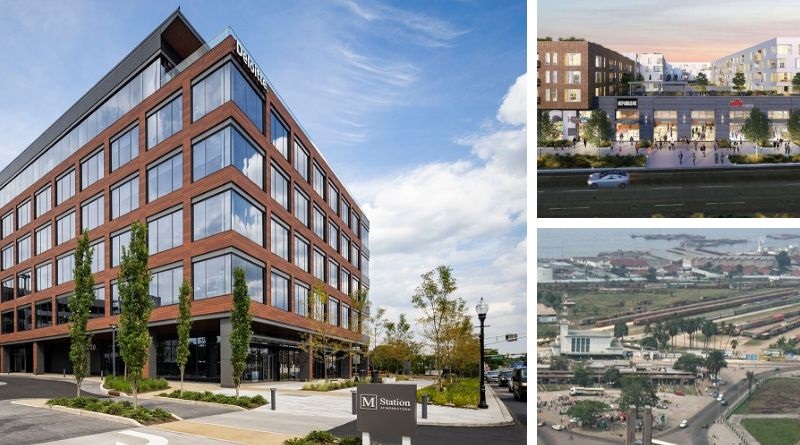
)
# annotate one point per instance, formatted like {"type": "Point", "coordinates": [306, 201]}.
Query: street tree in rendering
{"type": "Point", "coordinates": [620, 330]}
{"type": "Point", "coordinates": [321, 343]}
{"type": "Point", "coordinates": [598, 128]}
{"type": "Point", "coordinates": [184, 328]}
{"type": "Point", "coordinates": [241, 320]}
{"type": "Point", "coordinates": [756, 127]}
{"type": "Point", "coordinates": [462, 348]}
{"type": "Point", "coordinates": [545, 127]}
{"type": "Point", "coordinates": [637, 391]}
{"type": "Point", "coordinates": [624, 83]}
{"type": "Point", "coordinates": [439, 311]}
{"type": "Point", "coordinates": [739, 81]}
{"type": "Point", "coordinates": [715, 361]}
{"type": "Point", "coordinates": [796, 82]}
{"type": "Point", "coordinates": [80, 303]}
{"type": "Point", "coordinates": [134, 292]}
{"type": "Point", "coordinates": [793, 127]}
{"type": "Point", "coordinates": [784, 261]}
{"type": "Point", "coordinates": [751, 377]}
{"type": "Point", "coordinates": [701, 81]}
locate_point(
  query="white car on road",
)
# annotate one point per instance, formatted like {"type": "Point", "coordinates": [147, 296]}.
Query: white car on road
{"type": "Point", "coordinates": [684, 424]}
{"type": "Point", "coordinates": [558, 427]}
{"type": "Point", "coordinates": [609, 179]}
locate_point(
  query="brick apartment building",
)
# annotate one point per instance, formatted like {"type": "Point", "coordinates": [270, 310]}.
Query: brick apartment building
{"type": "Point", "coordinates": [571, 73]}
{"type": "Point", "coordinates": [189, 137]}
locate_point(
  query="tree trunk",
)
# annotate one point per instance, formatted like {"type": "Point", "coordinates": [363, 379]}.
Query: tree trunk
{"type": "Point", "coordinates": [237, 391]}
{"type": "Point", "coordinates": [78, 385]}
{"type": "Point", "coordinates": [182, 380]}
{"type": "Point", "coordinates": [135, 393]}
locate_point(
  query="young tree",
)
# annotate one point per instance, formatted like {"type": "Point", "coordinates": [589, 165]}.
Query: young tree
{"type": "Point", "coordinates": [620, 330]}
{"type": "Point", "coordinates": [184, 328]}
{"type": "Point", "coordinates": [793, 127]}
{"type": "Point", "coordinates": [739, 81]}
{"type": "Point", "coordinates": [321, 344]}
{"type": "Point", "coordinates": [750, 376]}
{"type": "Point", "coordinates": [612, 376]}
{"type": "Point", "coordinates": [80, 302]}
{"type": "Point", "coordinates": [134, 291]}
{"type": "Point", "coordinates": [545, 127]}
{"type": "Point", "coordinates": [439, 311]}
{"type": "Point", "coordinates": [241, 321]}
{"type": "Point", "coordinates": [587, 410]}
{"type": "Point", "coordinates": [756, 126]}
{"type": "Point", "coordinates": [715, 361]}
{"type": "Point", "coordinates": [598, 128]}
{"type": "Point", "coordinates": [582, 375]}
{"type": "Point", "coordinates": [784, 261]}
{"type": "Point", "coordinates": [689, 363]}
{"type": "Point", "coordinates": [637, 391]}
{"type": "Point", "coordinates": [624, 82]}
{"type": "Point", "coordinates": [796, 82]}
{"type": "Point", "coordinates": [701, 79]}
{"type": "Point", "coordinates": [559, 363]}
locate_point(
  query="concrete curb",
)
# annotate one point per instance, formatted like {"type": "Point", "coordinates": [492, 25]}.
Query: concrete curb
{"type": "Point", "coordinates": [507, 418]}
{"type": "Point", "coordinates": [201, 403]}
{"type": "Point", "coordinates": [84, 413]}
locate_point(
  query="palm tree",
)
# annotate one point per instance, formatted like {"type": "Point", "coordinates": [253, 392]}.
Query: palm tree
{"type": "Point", "coordinates": [673, 328]}
{"type": "Point", "coordinates": [715, 361]}
{"type": "Point", "coordinates": [750, 376]}
{"type": "Point", "coordinates": [708, 328]}
{"type": "Point", "coordinates": [692, 325]}
{"type": "Point", "coordinates": [734, 344]}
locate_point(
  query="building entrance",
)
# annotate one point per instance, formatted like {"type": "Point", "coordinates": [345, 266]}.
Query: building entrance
{"type": "Point", "coordinates": [703, 125]}
{"type": "Point", "coordinates": [627, 125]}
{"type": "Point", "coordinates": [666, 125]}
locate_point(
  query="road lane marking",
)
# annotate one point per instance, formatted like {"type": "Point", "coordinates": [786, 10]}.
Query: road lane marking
{"type": "Point", "coordinates": [724, 203]}
{"type": "Point", "coordinates": [581, 190]}
{"type": "Point", "coordinates": [668, 205]}
{"type": "Point", "coordinates": [715, 186]}
{"type": "Point", "coordinates": [667, 188]}
{"type": "Point", "coordinates": [567, 208]}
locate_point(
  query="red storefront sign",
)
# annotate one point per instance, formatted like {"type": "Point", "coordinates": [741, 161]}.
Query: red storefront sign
{"type": "Point", "coordinates": [736, 103]}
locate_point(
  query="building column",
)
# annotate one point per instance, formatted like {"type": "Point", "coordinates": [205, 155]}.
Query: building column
{"type": "Point", "coordinates": [5, 360]}
{"type": "Point", "coordinates": [38, 358]}
{"type": "Point", "coordinates": [225, 367]}
{"type": "Point", "coordinates": [348, 363]}
{"type": "Point", "coordinates": [647, 438]}
{"type": "Point", "coordinates": [630, 435]}
{"type": "Point", "coordinates": [306, 369]}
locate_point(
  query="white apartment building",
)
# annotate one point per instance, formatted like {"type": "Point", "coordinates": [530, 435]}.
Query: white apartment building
{"type": "Point", "coordinates": [585, 343]}
{"type": "Point", "coordinates": [688, 71]}
{"type": "Point", "coordinates": [652, 67]}
{"type": "Point", "coordinates": [768, 66]}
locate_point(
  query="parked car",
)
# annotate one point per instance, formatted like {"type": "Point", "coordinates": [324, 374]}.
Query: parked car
{"type": "Point", "coordinates": [720, 398]}
{"type": "Point", "coordinates": [684, 424]}
{"type": "Point", "coordinates": [541, 423]}
{"type": "Point", "coordinates": [609, 179]}
{"type": "Point", "coordinates": [504, 379]}
{"type": "Point", "coordinates": [558, 427]}
{"type": "Point", "coordinates": [491, 376]}
{"type": "Point", "coordinates": [723, 402]}
{"type": "Point", "coordinates": [519, 384]}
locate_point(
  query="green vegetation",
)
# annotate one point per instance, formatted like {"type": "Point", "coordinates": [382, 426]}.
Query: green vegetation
{"type": "Point", "coordinates": [739, 81]}
{"type": "Point", "coordinates": [794, 124]}
{"type": "Point", "coordinates": [207, 396]}
{"type": "Point", "coordinates": [774, 431]}
{"type": "Point", "coordinates": [145, 385]}
{"type": "Point", "coordinates": [323, 438]}
{"type": "Point", "coordinates": [768, 158]}
{"type": "Point", "coordinates": [776, 396]}
{"type": "Point", "coordinates": [783, 259]}
{"type": "Point", "coordinates": [79, 304]}
{"type": "Point", "coordinates": [598, 128]}
{"type": "Point", "coordinates": [545, 129]}
{"type": "Point", "coordinates": [459, 393]}
{"type": "Point", "coordinates": [724, 143]}
{"type": "Point", "coordinates": [328, 386]}
{"type": "Point", "coordinates": [184, 327]}
{"type": "Point", "coordinates": [756, 127]}
{"type": "Point", "coordinates": [241, 321]}
{"type": "Point", "coordinates": [124, 409]}
{"type": "Point", "coordinates": [637, 392]}
{"type": "Point", "coordinates": [587, 410]}
{"type": "Point", "coordinates": [552, 161]}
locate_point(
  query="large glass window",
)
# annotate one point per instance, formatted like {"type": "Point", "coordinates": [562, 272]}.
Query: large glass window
{"type": "Point", "coordinates": [301, 252]}
{"type": "Point", "coordinates": [165, 122]}
{"type": "Point", "coordinates": [98, 307]}
{"type": "Point", "coordinates": [65, 266]}
{"type": "Point", "coordinates": [319, 181]}
{"type": "Point", "coordinates": [301, 159]}
{"type": "Point", "coordinates": [279, 290]}
{"type": "Point", "coordinates": [333, 311]}
{"type": "Point", "coordinates": [280, 134]}
{"type": "Point", "coordinates": [23, 214]}
{"type": "Point", "coordinates": [124, 148]}
{"type": "Point", "coordinates": [319, 223]}
{"type": "Point", "coordinates": [279, 186]}
{"type": "Point", "coordinates": [24, 249]}
{"type": "Point", "coordinates": [345, 213]}
{"type": "Point", "coordinates": [98, 256]}
{"type": "Point", "coordinates": [8, 257]}
{"type": "Point", "coordinates": [8, 224]}
{"type": "Point", "coordinates": [165, 285]}
{"type": "Point", "coordinates": [118, 242]}
{"type": "Point", "coordinates": [573, 59]}
{"type": "Point", "coordinates": [165, 232]}
{"type": "Point", "coordinates": [65, 187]}
{"type": "Point", "coordinates": [214, 277]}
{"type": "Point", "coordinates": [92, 170]}
{"type": "Point", "coordinates": [354, 255]}
{"type": "Point", "coordinates": [125, 197]}
{"type": "Point", "coordinates": [43, 201]}
{"type": "Point", "coordinates": [301, 206]}
{"type": "Point", "coordinates": [227, 147]}
{"type": "Point", "coordinates": [345, 281]}
{"type": "Point", "coordinates": [44, 236]}
{"type": "Point", "coordinates": [345, 247]}
{"type": "Point", "coordinates": [222, 85]}
{"type": "Point", "coordinates": [301, 298]}
{"type": "Point", "coordinates": [574, 77]}
{"type": "Point", "coordinates": [65, 228]}
{"type": "Point", "coordinates": [345, 316]}
{"type": "Point", "coordinates": [116, 305]}
{"type": "Point", "coordinates": [280, 239]}
{"type": "Point", "coordinates": [333, 198]}
{"type": "Point", "coordinates": [24, 318]}
{"type": "Point", "coordinates": [7, 325]}
{"type": "Point", "coordinates": [92, 213]}
{"type": "Point", "coordinates": [319, 265]}
{"type": "Point", "coordinates": [333, 236]}
{"type": "Point", "coordinates": [7, 290]}
{"type": "Point", "coordinates": [24, 283]}
{"type": "Point", "coordinates": [165, 177]}
{"type": "Point", "coordinates": [364, 235]}
{"type": "Point", "coordinates": [333, 274]}
{"type": "Point", "coordinates": [62, 309]}
{"type": "Point", "coordinates": [228, 211]}
{"type": "Point", "coordinates": [44, 313]}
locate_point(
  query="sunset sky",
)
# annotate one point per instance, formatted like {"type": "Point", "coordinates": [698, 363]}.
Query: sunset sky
{"type": "Point", "coordinates": [685, 31]}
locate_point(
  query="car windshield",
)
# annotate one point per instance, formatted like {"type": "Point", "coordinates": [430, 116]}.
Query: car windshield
{"type": "Point", "coordinates": [523, 373]}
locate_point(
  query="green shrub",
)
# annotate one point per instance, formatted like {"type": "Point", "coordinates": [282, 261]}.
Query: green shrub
{"type": "Point", "coordinates": [123, 409]}
{"type": "Point", "coordinates": [558, 143]}
{"type": "Point", "coordinates": [646, 143]}
{"type": "Point", "coordinates": [402, 378]}
{"type": "Point", "coordinates": [207, 396]}
{"type": "Point", "coordinates": [459, 393]}
{"type": "Point", "coordinates": [604, 144]}
{"type": "Point", "coordinates": [350, 440]}
{"type": "Point", "coordinates": [328, 386]}
{"type": "Point", "coordinates": [554, 161]}
{"type": "Point", "coordinates": [145, 385]}
{"type": "Point", "coordinates": [297, 441]}
{"type": "Point", "coordinates": [724, 143]}
{"type": "Point", "coordinates": [769, 158]}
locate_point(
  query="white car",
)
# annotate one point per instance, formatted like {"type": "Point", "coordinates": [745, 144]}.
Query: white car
{"type": "Point", "coordinates": [609, 179]}
{"type": "Point", "coordinates": [684, 424]}
{"type": "Point", "coordinates": [720, 398]}
{"type": "Point", "coordinates": [558, 427]}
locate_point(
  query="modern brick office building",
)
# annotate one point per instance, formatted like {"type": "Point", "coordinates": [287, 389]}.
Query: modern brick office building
{"type": "Point", "coordinates": [571, 74]}
{"type": "Point", "coordinates": [189, 137]}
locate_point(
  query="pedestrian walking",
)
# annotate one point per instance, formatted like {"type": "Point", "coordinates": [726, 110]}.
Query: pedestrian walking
{"type": "Point", "coordinates": [680, 157]}
{"type": "Point", "coordinates": [584, 142]}
{"type": "Point", "coordinates": [694, 158]}
{"type": "Point", "coordinates": [716, 158]}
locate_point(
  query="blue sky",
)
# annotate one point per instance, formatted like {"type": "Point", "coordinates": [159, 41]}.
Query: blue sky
{"type": "Point", "coordinates": [418, 106]}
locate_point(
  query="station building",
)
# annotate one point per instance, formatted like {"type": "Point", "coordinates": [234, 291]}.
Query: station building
{"type": "Point", "coordinates": [188, 136]}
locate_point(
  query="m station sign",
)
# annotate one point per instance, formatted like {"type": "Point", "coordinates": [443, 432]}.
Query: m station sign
{"type": "Point", "coordinates": [387, 409]}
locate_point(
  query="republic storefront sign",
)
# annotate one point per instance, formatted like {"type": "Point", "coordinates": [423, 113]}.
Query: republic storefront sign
{"type": "Point", "coordinates": [387, 409]}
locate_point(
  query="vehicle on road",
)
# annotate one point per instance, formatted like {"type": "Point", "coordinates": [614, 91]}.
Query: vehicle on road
{"type": "Point", "coordinates": [541, 423]}
{"type": "Point", "coordinates": [720, 398]}
{"type": "Point", "coordinates": [578, 391]}
{"type": "Point", "coordinates": [519, 384]}
{"type": "Point", "coordinates": [723, 402]}
{"type": "Point", "coordinates": [491, 376]}
{"type": "Point", "coordinates": [504, 379]}
{"type": "Point", "coordinates": [609, 179]}
{"type": "Point", "coordinates": [558, 427]}
{"type": "Point", "coordinates": [684, 424]}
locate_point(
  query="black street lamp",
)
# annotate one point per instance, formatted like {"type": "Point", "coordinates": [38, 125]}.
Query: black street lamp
{"type": "Point", "coordinates": [113, 349]}
{"type": "Point", "coordinates": [482, 308]}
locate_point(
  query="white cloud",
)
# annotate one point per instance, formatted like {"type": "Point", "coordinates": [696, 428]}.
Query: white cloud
{"type": "Point", "coordinates": [469, 213]}
{"type": "Point", "coordinates": [514, 108]}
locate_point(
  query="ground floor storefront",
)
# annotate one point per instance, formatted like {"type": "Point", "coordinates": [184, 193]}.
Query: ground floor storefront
{"type": "Point", "coordinates": [277, 353]}
{"type": "Point", "coordinates": [696, 118]}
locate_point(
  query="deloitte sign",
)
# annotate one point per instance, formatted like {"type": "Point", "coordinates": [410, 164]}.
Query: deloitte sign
{"type": "Point", "coordinates": [251, 65]}
{"type": "Point", "coordinates": [387, 409]}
